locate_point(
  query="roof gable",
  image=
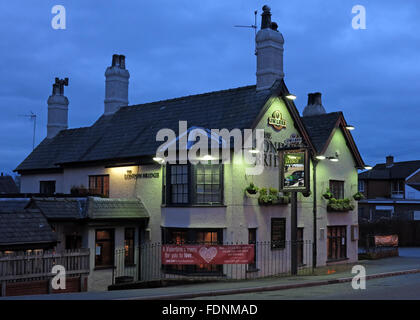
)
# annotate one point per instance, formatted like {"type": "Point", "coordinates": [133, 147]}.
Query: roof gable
{"type": "Point", "coordinates": [321, 129]}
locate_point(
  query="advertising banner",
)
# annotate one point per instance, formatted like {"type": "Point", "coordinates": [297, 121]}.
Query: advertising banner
{"type": "Point", "coordinates": [386, 241]}
{"type": "Point", "coordinates": [207, 254]}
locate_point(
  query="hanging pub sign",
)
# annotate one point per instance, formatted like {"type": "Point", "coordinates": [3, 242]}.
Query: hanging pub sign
{"type": "Point", "coordinates": [294, 170]}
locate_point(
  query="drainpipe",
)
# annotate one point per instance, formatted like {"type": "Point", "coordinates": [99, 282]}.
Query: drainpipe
{"type": "Point", "coordinates": [314, 249]}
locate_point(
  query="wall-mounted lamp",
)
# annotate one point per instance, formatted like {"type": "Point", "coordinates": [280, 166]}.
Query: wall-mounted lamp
{"type": "Point", "coordinates": [321, 157]}
{"type": "Point", "coordinates": [333, 159]}
{"type": "Point", "coordinates": [159, 160]}
{"type": "Point", "coordinates": [367, 167]}
{"type": "Point", "coordinates": [254, 151]}
{"type": "Point", "coordinates": [291, 96]}
{"type": "Point", "coordinates": [350, 127]}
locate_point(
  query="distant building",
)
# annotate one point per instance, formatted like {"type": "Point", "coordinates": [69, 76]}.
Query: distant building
{"type": "Point", "coordinates": [391, 190]}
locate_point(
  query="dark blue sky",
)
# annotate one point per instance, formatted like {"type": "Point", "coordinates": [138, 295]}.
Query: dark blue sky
{"type": "Point", "coordinates": [176, 48]}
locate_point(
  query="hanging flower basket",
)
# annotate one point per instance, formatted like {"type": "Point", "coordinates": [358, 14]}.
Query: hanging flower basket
{"type": "Point", "coordinates": [251, 191]}
{"type": "Point", "coordinates": [328, 195]}
{"type": "Point", "coordinates": [358, 196]}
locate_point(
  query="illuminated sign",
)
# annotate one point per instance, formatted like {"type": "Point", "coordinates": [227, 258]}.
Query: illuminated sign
{"type": "Point", "coordinates": [294, 170]}
{"type": "Point", "coordinates": [276, 121]}
{"type": "Point", "coordinates": [133, 176]}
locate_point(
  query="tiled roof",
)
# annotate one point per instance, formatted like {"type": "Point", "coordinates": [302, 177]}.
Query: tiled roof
{"type": "Point", "coordinates": [89, 208]}
{"type": "Point", "coordinates": [131, 131]}
{"type": "Point", "coordinates": [8, 185]}
{"type": "Point", "coordinates": [24, 227]}
{"type": "Point", "coordinates": [61, 208]}
{"type": "Point", "coordinates": [399, 170]}
{"type": "Point", "coordinates": [13, 204]}
{"type": "Point", "coordinates": [102, 208]}
{"type": "Point", "coordinates": [319, 128]}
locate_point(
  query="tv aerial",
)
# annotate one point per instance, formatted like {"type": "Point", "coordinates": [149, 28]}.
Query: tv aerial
{"type": "Point", "coordinates": [253, 26]}
{"type": "Point", "coordinates": [31, 117]}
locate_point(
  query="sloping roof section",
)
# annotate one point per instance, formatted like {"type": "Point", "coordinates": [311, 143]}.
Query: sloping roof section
{"type": "Point", "coordinates": [399, 170]}
{"type": "Point", "coordinates": [8, 185]}
{"type": "Point", "coordinates": [13, 204]}
{"type": "Point", "coordinates": [112, 209]}
{"type": "Point", "coordinates": [131, 131]}
{"type": "Point", "coordinates": [26, 228]}
{"type": "Point", "coordinates": [61, 208]}
{"type": "Point", "coordinates": [320, 128]}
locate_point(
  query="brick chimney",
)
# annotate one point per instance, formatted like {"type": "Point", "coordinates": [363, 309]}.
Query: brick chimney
{"type": "Point", "coordinates": [389, 161]}
{"type": "Point", "coordinates": [58, 108]}
{"type": "Point", "coordinates": [269, 53]}
{"type": "Point", "coordinates": [116, 85]}
{"type": "Point", "coordinates": [314, 106]}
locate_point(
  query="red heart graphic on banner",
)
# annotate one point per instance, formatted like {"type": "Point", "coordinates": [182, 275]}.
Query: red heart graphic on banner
{"type": "Point", "coordinates": [208, 254]}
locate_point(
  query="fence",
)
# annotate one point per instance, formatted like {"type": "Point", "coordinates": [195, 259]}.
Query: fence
{"type": "Point", "coordinates": [36, 267]}
{"type": "Point", "coordinates": [144, 263]}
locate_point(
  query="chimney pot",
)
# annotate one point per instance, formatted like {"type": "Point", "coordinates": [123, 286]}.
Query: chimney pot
{"type": "Point", "coordinates": [57, 108]}
{"type": "Point", "coordinates": [389, 161]}
{"type": "Point", "coordinates": [269, 51]}
{"type": "Point", "coordinates": [314, 106]}
{"type": "Point", "coordinates": [116, 85]}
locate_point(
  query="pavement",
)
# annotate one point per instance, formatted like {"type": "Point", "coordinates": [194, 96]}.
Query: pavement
{"type": "Point", "coordinates": [408, 263]}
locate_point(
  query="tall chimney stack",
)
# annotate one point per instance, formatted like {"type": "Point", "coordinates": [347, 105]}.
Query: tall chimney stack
{"type": "Point", "coordinates": [116, 85]}
{"type": "Point", "coordinates": [58, 108]}
{"type": "Point", "coordinates": [314, 106]}
{"type": "Point", "coordinates": [269, 52]}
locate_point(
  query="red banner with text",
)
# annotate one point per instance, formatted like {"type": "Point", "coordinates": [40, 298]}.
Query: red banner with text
{"type": "Point", "coordinates": [208, 254]}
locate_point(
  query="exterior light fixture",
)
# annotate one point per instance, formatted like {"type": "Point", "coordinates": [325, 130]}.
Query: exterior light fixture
{"type": "Point", "coordinates": [350, 127]}
{"type": "Point", "coordinates": [367, 167]}
{"type": "Point", "coordinates": [291, 96]}
{"type": "Point", "coordinates": [333, 159]}
{"type": "Point", "coordinates": [158, 159]}
{"type": "Point", "coordinates": [207, 157]}
{"type": "Point", "coordinates": [254, 151]}
{"type": "Point", "coordinates": [321, 157]}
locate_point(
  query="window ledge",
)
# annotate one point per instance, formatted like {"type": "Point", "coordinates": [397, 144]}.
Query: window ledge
{"type": "Point", "coordinates": [194, 206]}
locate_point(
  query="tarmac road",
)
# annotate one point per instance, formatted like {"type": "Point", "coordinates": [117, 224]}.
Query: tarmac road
{"type": "Point", "coordinates": [403, 287]}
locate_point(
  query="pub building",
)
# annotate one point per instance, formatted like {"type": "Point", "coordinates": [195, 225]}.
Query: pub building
{"type": "Point", "coordinates": [115, 158]}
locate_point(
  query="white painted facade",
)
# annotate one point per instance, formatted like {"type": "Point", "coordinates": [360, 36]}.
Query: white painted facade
{"type": "Point", "coordinates": [238, 213]}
